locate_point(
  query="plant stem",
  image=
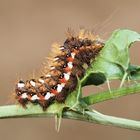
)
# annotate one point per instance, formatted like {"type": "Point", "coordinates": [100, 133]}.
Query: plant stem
{"type": "Point", "coordinates": [98, 118]}
{"type": "Point", "coordinates": [14, 111]}
{"type": "Point", "coordinates": [106, 95]}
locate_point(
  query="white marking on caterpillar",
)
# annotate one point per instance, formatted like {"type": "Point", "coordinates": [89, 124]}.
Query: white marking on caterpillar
{"type": "Point", "coordinates": [41, 80]}
{"type": "Point", "coordinates": [24, 96]}
{"type": "Point", "coordinates": [59, 87]}
{"type": "Point", "coordinates": [73, 55]}
{"type": "Point", "coordinates": [32, 83]}
{"type": "Point", "coordinates": [47, 96]}
{"type": "Point", "coordinates": [20, 85]}
{"type": "Point", "coordinates": [61, 48]}
{"type": "Point", "coordinates": [55, 59]}
{"type": "Point", "coordinates": [66, 76]}
{"type": "Point", "coordinates": [52, 94]}
{"type": "Point", "coordinates": [48, 75]}
{"type": "Point", "coordinates": [34, 97]}
{"type": "Point", "coordinates": [70, 65]}
{"type": "Point", "coordinates": [52, 68]}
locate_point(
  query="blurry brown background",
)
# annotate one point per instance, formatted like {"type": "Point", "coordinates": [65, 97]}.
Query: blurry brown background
{"type": "Point", "coordinates": [27, 30]}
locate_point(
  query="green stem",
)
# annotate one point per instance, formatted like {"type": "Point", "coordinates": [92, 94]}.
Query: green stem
{"type": "Point", "coordinates": [96, 117]}
{"type": "Point", "coordinates": [106, 95]}
{"type": "Point", "coordinates": [14, 111]}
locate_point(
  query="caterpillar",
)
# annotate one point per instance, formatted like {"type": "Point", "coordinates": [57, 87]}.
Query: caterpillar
{"type": "Point", "coordinates": [67, 65]}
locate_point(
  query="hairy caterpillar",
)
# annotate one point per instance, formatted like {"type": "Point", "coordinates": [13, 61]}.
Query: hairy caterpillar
{"type": "Point", "coordinates": [61, 78]}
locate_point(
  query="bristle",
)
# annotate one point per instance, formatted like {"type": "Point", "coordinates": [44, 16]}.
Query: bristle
{"type": "Point", "coordinates": [84, 34]}
{"type": "Point", "coordinates": [70, 33]}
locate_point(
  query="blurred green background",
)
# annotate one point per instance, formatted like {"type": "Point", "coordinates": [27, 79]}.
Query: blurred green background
{"type": "Point", "coordinates": [27, 30]}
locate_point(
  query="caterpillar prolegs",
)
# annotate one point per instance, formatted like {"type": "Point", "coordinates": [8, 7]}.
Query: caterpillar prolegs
{"type": "Point", "coordinates": [61, 78]}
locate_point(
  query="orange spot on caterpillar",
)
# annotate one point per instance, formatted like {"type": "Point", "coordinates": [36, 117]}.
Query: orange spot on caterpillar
{"type": "Point", "coordinates": [29, 98]}
{"type": "Point", "coordinates": [41, 98]}
{"type": "Point", "coordinates": [70, 59]}
{"type": "Point", "coordinates": [67, 69]}
{"type": "Point", "coordinates": [62, 80]}
{"type": "Point", "coordinates": [54, 92]}
{"type": "Point", "coordinates": [75, 51]}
